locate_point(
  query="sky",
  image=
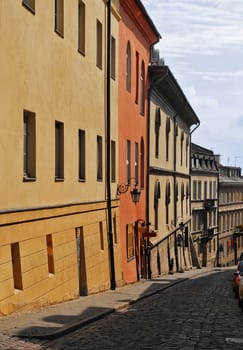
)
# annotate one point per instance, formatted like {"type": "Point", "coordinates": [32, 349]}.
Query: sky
{"type": "Point", "coordinates": [202, 43]}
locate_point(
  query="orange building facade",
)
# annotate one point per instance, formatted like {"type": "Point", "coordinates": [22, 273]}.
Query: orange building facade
{"type": "Point", "coordinates": [136, 36]}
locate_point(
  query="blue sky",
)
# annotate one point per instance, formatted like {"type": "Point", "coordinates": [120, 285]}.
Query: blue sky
{"type": "Point", "coordinates": [202, 43]}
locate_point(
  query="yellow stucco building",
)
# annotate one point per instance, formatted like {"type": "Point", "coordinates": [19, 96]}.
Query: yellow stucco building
{"type": "Point", "coordinates": [53, 208]}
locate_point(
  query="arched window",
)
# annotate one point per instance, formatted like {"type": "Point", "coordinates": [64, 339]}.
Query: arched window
{"type": "Point", "coordinates": [156, 203]}
{"type": "Point", "coordinates": [128, 67]}
{"type": "Point", "coordinates": [157, 128]}
{"type": "Point", "coordinates": [167, 201]}
{"type": "Point", "coordinates": [142, 163]}
{"type": "Point", "coordinates": [187, 197]}
{"type": "Point", "coordinates": [187, 150]}
{"type": "Point", "coordinates": [167, 138]}
{"type": "Point", "coordinates": [182, 198]}
{"type": "Point", "coordinates": [182, 140]}
{"type": "Point", "coordinates": [142, 88]}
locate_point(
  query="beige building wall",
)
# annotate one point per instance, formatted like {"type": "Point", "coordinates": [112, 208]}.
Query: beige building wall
{"type": "Point", "coordinates": [44, 73]}
{"type": "Point", "coordinates": [164, 170]}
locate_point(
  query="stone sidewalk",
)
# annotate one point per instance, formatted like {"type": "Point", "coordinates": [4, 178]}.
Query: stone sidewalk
{"type": "Point", "coordinates": [53, 321]}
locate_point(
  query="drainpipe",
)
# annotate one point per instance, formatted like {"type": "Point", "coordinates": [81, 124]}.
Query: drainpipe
{"type": "Point", "coordinates": [108, 155]}
{"type": "Point", "coordinates": [175, 202]}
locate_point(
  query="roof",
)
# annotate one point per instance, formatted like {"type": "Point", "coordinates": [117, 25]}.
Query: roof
{"type": "Point", "coordinates": [196, 149]}
{"type": "Point", "coordinates": [162, 79]}
{"type": "Point", "coordinates": [148, 18]}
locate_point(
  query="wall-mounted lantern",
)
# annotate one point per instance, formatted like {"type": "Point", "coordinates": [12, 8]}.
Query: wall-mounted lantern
{"type": "Point", "coordinates": [135, 193]}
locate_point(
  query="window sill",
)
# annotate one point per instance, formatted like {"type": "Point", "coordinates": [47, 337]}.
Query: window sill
{"type": "Point", "coordinates": [82, 52]}
{"type": "Point", "coordinates": [131, 258]}
{"type": "Point", "coordinates": [81, 180]}
{"type": "Point", "coordinates": [28, 7]}
{"type": "Point", "coordinates": [17, 291]}
{"type": "Point", "coordinates": [59, 179]}
{"type": "Point", "coordinates": [29, 179]}
{"type": "Point", "coordinates": [99, 66]}
{"type": "Point", "coordinates": [59, 33]}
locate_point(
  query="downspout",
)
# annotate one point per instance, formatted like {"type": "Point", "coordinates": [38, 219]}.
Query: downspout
{"type": "Point", "coordinates": [108, 156]}
{"type": "Point", "coordinates": [190, 181]}
{"type": "Point", "coordinates": [190, 176]}
{"type": "Point", "coordinates": [175, 201]}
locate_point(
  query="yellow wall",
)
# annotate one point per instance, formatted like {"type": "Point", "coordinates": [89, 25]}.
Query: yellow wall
{"type": "Point", "coordinates": [40, 287]}
{"type": "Point", "coordinates": [44, 73]}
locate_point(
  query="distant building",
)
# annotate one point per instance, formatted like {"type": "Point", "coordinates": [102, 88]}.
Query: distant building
{"type": "Point", "coordinates": [171, 121]}
{"type": "Point", "coordinates": [204, 204]}
{"type": "Point", "coordinates": [230, 214]}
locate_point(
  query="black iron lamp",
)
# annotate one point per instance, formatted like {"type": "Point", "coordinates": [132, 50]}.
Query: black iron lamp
{"type": "Point", "coordinates": [135, 193]}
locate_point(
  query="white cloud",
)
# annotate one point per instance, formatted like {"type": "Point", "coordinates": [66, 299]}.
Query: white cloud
{"type": "Point", "coordinates": [202, 42]}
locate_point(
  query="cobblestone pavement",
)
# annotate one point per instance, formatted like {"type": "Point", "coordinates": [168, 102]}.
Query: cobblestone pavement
{"type": "Point", "coordinates": [201, 313]}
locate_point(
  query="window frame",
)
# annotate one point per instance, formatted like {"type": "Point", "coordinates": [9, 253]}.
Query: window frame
{"type": "Point", "coordinates": [128, 67]}
{"type": "Point", "coordinates": [130, 242]}
{"type": "Point", "coordinates": [99, 159]}
{"type": "Point", "coordinates": [82, 155]}
{"type": "Point", "coordinates": [113, 161]}
{"type": "Point", "coordinates": [29, 146]}
{"type": "Point", "coordinates": [142, 89]}
{"type": "Point", "coordinates": [99, 44]}
{"type": "Point", "coordinates": [113, 58]}
{"type": "Point", "coordinates": [81, 27]}
{"type": "Point", "coordinates": [59, 151]}
{"type": "Point", "coordinates": [29, 4]}
{"type": "Point", "coordinates": [59, 17]}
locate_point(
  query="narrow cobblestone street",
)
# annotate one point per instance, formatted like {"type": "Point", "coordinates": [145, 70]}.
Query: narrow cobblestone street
{"type": "Point", "coordinates": [201, 313]}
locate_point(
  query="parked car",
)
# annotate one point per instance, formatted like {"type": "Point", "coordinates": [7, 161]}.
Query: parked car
{"type": "Point", "coordinates": [236, 278]}
{"type": "Point", "coordinates": [240, 290]}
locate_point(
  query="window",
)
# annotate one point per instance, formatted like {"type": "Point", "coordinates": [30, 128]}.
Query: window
{"type": "Point", "coordinates": [187, 151]}
{"type": "Point", "coordinates": [128, 162]}
{"type": "Point", "coordinates": [113, 161]}
{"type": "Point", "coordinates": [82, 158]}
{"type": "Point", "coordinates": [157, 129]}
{"type": "Point", "coordinates": [29, 146]}
{"type": "Point", "coordinates": [16, 265]}
{"type": "Point", "coordinates": [99, 44]}
{"type": "Point", "coordinates": [101, 235]}
{"type": "Point", "coordinates": [182, 142]}
{"type": "Point", "coordinates": [205, 189]}
{"type": "Point", "coordinates": [130, 241]}
{"type": "Point", "coordinates": [113, 58]}
{"type": "Point", "coordinates": [59, 151]}
{"type": "Point", "coordinates": [59, 17]}
{"type": "Point", "coordinates": [128, 67]}
{"type": "Point", "coordinates": [136, 163]}
{"type": "Point", "coordinates": [156, 204]}
{"type": "Point", "coordinates": [167, 202]}
{"type": "Point", "coordinates": [199, 189]}
{"type": "Point", "coordinates": [137, 77]}
{"type": "Point", "coordinates": [142, 89]}
{"type": "Point", "coordinates": [142, 160]}
{"type": "Point", "coordinates": [194, 189]}
{"type": "Point", "coordinates": [81, 27]}
{"type": "Point", "coordinates": [182, 199]}
{"type": "Point", "coordinates": [30, 4]}
{"type": "Point", "coordinates": [99, 158]}
{"type": "Point", "coordinates": [167, 138]}
{"type": "Point", "coordinates": [50, 257]}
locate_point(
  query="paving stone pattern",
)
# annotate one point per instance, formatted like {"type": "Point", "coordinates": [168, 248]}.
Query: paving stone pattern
{"type": "Point", "coordinates": [201, 313]}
